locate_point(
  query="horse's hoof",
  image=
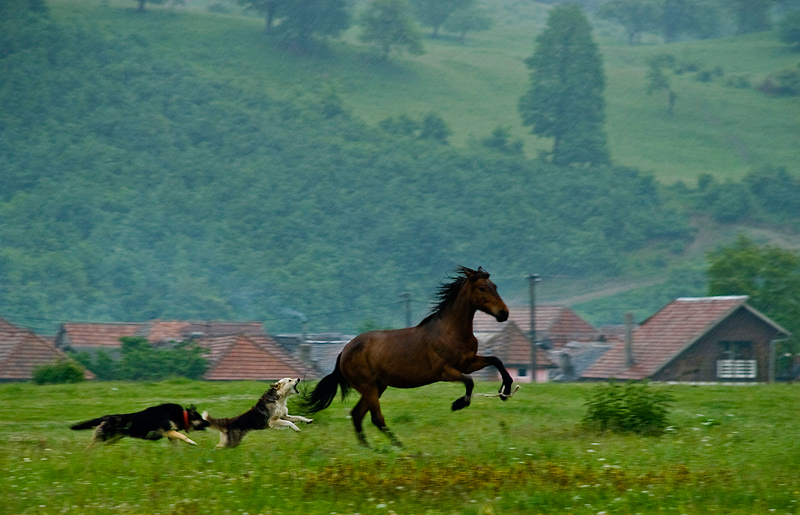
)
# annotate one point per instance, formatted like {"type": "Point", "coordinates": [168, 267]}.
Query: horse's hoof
{"type": "Point", "coordinates": [459, 403]}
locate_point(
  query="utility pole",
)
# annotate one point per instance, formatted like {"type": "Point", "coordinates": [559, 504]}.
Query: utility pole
{"type": "Point", "coordinates": [406, 296]}
{"type": "Point", "coordinates": [532, 280]}
{"type": "Point", "coordinates": [629, 361]}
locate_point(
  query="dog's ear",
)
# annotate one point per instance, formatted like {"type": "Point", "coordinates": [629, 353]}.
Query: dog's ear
{"type": "Point", "coordinates": [192, 407]}
{"type": "Point", "coordinates": [275, 386]}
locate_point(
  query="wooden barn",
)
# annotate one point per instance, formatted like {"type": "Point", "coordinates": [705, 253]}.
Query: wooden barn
{"type": "Point", "coordinates": [698, 339]}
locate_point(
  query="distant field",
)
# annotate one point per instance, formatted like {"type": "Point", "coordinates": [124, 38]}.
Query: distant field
{"type": "Point", "coordinates": [730, 449]}
{"type": "Point", "coordinates": [475, 87]}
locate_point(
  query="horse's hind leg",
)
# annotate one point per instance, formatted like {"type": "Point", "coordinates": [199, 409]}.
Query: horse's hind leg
{"type": "Point", "coordinates": [370, 402]}
{"type": "Point", "coordinates": [378, 420]}
{"type": "Point", "coordinates": [357, 414]}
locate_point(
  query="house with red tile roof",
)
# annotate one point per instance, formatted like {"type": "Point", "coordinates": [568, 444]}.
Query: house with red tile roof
{"type": "Point", "coordinates": [696, 339]}
{"type": "Point", "coordinates": [241, 356]}
{"type": "Point", "coordinates": [555, 325]}
{"type": "Point", "coordinates": [21, 351]}
{"type": "Point", "coordinates": [91, 337]}
{"type": "Point", "coordinates": [513, 348]}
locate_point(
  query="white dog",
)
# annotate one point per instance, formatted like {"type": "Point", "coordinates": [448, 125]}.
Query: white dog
{"type": "Point", "coordinates": [269, 411]}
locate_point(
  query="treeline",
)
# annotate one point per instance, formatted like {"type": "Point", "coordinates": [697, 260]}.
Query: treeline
{"type": "Point", "coordinates": [134, 188]}
{"type": "Point", "coordinates": [674, 20]}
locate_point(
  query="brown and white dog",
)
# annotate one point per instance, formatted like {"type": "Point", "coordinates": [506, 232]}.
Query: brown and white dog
{"type": "Point", "coordinates": [269, 411]}
{"type": "Point", "coordinates": [154, 423]}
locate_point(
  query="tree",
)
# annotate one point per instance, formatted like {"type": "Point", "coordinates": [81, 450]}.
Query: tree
{"type": "Point", "coordinates": [141, 361]}
{"type": "Point", "coordinates": [433, 13]}
{"type": "Point", "coordinates": [142, 2]}
{"type": "Point", "coordinates": [267, 8]}
{"type": "Point", "coordinates": [387, 24]}
{"type": "Point", "coordinates": [434, 128]}
{"type": "Point", "coordinates": [500, 141]}
{"type": "Point", "coordinates": [303, 20]}
{"type": "Point", "coordinates": [659, 80]}
{"type": "Point", "coordinates": [751, 15]}
{"type": "Point", "coordinates": [789, 30]}
{"type": "Point", "coordinates": [768, 274]}
{"type": "Point", "coordinates": [565, 100]}
{"type": "Point", "coordinates": [635, 16]}
{"type": "Point", "coordinates": [468, 19]}
{"type": "Point", "coordinates": [695, 17]}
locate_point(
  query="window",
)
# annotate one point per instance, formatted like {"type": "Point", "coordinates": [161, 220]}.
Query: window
{"type": "Point", "coordinates": [736, 350]}
{"type": "Point", "coordinates": [522, 372]}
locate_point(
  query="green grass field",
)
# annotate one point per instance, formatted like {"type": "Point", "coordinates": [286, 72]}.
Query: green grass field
{"type": "Point", "coordinates": [475, 87]}
{"type": "Point", "coordinates": [730, 449]}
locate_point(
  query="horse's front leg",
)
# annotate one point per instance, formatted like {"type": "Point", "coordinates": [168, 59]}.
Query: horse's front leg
{"type": "Point", "coordinates": [480, 362]}
{"type": "Point", "coordinates": [452, 374]}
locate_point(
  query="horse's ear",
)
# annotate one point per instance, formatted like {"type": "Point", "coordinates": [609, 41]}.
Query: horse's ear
{"type": "Point", "coordinates": [468, 272]}
{"type": "Point", "coordinates": [483, 272]}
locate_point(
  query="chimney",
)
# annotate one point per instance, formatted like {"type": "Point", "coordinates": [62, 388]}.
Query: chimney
{"type": "Point", "coordinates": [629, 340]}
{"type": "Point", "coordinates": [304, 348]}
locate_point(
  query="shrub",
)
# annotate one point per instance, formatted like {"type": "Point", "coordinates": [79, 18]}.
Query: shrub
{"type": "Point", "coordinates": [738, 81]}
{"type": "Point", "coordinates": [784, 83]}
{"type": "Point", "coordinates": [142, 362]}
{"type": "Point", "coordinates": [62, 371]}
{"type": "Point", "coordinates": [632, 408]}
{"type": "Point", "coordinates": [789, 30]}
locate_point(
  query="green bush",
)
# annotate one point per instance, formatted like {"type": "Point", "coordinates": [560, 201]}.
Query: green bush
{"type": "Point", "coordinates": [62, 371]}
{"type": "Point", "coordinates": [632, 408]}
{"type": "Point", "coordinates": [789, 29]}
{"type": "Point", "coordinates": [142, 362]}
{"type": "Point", "coordinates": [783, 83]}
{"type": "Point", "coordinates": [740, 81]}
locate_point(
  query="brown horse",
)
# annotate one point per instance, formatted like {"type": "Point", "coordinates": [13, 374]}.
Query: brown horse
{"type": "Point", "coordinates": [441, 348]}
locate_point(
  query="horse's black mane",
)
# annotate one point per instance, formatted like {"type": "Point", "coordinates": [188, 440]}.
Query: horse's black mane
{"type": "Point", "coordinates": [448, 292]}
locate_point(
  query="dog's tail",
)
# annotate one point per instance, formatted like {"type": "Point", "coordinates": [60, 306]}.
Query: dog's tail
{"type": "Point", "coordinates": [88, 424]}
{"type": "Point", "coordinates": [323, 394]}
{"type": "Point", "coordinates": [219, 424]}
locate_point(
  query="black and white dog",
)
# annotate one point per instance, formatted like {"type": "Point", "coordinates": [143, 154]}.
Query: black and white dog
{"type": "Point", "coordinates": [154, 423]}
{"type": "Point", "coordinates": [269, 411]}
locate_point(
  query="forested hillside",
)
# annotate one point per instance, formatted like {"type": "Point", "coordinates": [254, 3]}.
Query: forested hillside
{"type": "Point", "coordinates": [136, 184]}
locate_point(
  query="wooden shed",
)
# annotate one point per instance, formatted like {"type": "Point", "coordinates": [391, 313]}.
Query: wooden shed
{"type": "Point", "coordinates": [696, 339]}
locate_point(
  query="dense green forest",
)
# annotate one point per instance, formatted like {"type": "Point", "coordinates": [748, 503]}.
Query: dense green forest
{"type": "Point", "coordinates": [136, 184]}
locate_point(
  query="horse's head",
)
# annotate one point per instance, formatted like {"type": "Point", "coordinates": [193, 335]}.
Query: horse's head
{"type": "Point", "coordinates": [483, 293]}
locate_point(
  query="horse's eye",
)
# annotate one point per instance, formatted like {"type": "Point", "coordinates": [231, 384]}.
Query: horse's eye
{"type": "Point", "coordinates": [481, 288]}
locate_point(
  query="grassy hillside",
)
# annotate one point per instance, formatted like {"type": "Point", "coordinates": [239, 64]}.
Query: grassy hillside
{"type": "Point", "coordinates": [716, 128]}
{"type": "Point", "coordinates": [178, 164]}
{"type": "Point", "coordinates": [730, 449]}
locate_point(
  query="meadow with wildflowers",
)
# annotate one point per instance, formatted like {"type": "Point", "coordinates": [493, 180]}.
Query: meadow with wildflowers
{"type": "Point", "coordinates": [728, 449]}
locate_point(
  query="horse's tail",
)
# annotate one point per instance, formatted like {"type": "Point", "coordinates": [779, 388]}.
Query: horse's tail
{"type": "Point", "coordinates": [323, 394]}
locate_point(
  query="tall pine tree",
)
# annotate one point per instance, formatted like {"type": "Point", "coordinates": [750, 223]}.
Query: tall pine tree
{"type": "Point", "coordinates": [565, 101]}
